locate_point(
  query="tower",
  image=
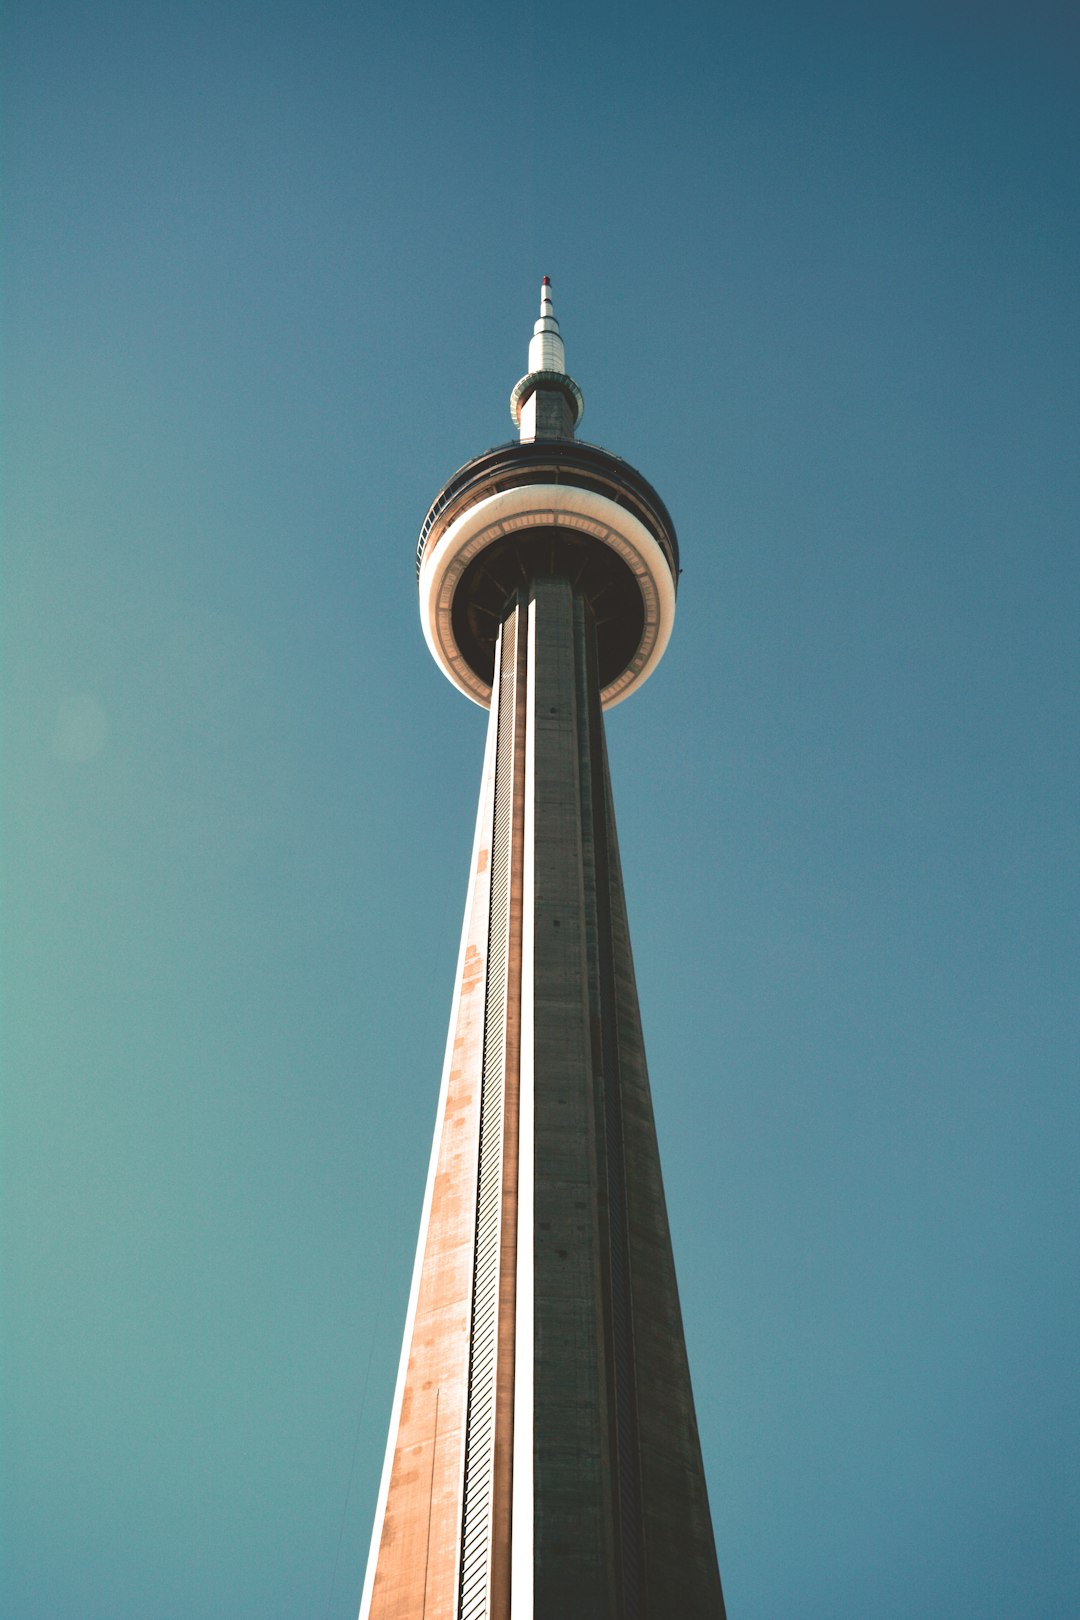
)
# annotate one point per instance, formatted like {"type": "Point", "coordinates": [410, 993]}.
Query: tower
{"type": "Point", "coordinates": [543, 1460]}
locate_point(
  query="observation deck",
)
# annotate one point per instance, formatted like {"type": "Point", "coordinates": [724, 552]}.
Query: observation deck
{"type": "Point", "coordinates": [546, 507]}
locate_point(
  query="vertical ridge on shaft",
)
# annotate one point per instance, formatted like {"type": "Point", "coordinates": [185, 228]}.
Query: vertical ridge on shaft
{"type": "Point", "coordinates": [485, 1492]}
{"type": "Point", "coordinates": [615, 1249]}
{"type": "Point", "coordinates": [413, 1567]}
{"type": "Point", "coordinates": [575, 1536]}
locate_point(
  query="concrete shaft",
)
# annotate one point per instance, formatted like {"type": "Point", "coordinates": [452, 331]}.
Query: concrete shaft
{"type": "Point", "coordinates": [543, 1458]}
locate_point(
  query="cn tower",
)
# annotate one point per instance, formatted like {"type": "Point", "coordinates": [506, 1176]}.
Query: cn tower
{"type": "Point", "coordinates": [543, 1461]}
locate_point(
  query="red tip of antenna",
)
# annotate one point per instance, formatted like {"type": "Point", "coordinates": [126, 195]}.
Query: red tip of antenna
{"type": "Point", "coordinates": [546, 281]}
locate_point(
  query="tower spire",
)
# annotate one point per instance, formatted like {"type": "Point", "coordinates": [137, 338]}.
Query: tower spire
{"type": "Point", "coordinates": [546, 403]}
{"type": "Point", "coordinates": [546, 349]}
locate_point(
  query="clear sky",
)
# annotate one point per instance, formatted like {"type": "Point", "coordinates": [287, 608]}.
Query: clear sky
{"type": "Point", "coordinates": [270, 272]}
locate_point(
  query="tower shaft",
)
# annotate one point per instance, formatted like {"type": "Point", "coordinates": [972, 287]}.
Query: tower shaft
{"type": "Point", "coordinates": [543, 1457]}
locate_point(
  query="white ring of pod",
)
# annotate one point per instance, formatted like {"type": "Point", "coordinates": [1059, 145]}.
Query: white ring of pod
{"type": "Point", "coordinates": [532, 506]}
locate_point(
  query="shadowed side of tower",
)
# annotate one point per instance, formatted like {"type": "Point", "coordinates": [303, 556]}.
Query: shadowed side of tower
{"type": "Point", "coordinates": [543, 1456]}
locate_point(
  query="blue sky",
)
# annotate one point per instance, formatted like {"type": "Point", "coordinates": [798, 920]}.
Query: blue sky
{"type": "Point", "coordinates": [269, 275]}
